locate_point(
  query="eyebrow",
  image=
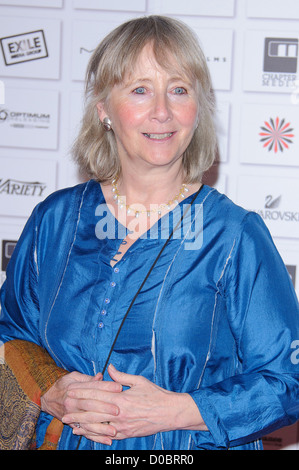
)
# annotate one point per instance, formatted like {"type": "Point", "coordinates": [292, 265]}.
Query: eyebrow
{"type": "Point", "coordinates": [174, 78]}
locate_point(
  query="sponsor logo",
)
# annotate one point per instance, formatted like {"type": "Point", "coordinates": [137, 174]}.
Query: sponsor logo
{"type": "Point", "coordinates": [24, 47]}
{"type": "Point", "coordinates": [276, 135]}
{"type": "Point", "coordinates": [272, 212]}
{"type": "Point", "coordinates": [8, 247]}
{"type": "Point", "coordinates": [13, 187]}
{"type": "Point", "coordinates": [217, 59]}
{"type": "Point", "coordinates": [23, 119]}
{"type": "Point", "coordinates": [280, 62]}
{"type": "Point", "coordinates": [281, 55]}
{"type": "Point", "coordinates": [83, 50]}
{"type": "Point", "coordinates": [209, 58]}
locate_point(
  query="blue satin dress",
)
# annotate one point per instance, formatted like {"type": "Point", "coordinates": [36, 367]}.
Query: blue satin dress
{"type": "Point", "coordinates": [217, 317]}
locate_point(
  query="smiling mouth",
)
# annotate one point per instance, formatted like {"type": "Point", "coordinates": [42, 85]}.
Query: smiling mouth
{"type": "Point", "coordinates": [159, 136]}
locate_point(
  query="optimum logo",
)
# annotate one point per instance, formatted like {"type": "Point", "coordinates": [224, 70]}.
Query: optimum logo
{"type": "Point", "coordinates": [24, 47]}
{"type": "Point", "coordinates": [23, 119]}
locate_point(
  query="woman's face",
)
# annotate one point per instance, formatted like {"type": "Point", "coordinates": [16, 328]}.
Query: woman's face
{"type": "Point", "coordinates": [154, 114]}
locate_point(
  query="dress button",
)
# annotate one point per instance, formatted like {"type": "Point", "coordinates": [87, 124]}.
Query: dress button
{"type": "Point", "coordinates": [116, 270]}
{"type": "Point", "coordinates": [101, 324]}
{"type": "Point", "coordinates": [112, 284]}
{"type": "Point", "coordinates": [103, 312]}
{"type": "Point", "coordinates": [107, 301]}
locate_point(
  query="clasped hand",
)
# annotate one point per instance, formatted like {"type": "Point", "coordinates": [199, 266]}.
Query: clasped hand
{"type": "Point", "coordinates": [106, 412]}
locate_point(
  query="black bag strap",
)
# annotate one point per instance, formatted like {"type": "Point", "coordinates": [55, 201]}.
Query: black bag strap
{"type": "Point", "coordinates": [147, 276]}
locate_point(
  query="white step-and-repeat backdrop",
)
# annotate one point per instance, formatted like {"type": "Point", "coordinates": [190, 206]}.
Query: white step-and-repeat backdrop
{"type": "Point", "coordinates": [253, 54]}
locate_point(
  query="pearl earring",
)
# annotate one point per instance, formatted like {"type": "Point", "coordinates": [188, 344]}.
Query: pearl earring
{"type": "Point", "coordinates": [107, 124]}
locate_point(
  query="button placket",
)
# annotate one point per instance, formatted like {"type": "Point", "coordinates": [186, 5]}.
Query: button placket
{"type": "Point", "coordinates": [107, 300]}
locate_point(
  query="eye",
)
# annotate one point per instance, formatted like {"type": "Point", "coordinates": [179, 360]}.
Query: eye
{"type": "Point", "coordinates": [179, 90]}
{"type": "Point", "coordinates": [139, 91]}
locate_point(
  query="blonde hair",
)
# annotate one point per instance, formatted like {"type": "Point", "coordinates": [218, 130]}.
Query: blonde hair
{"type": "Point", "coordinates": [95, 149]}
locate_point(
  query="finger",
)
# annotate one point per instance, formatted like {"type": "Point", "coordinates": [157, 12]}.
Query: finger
{"type": "Point", "coordinates": [98, 428]}
{"type": "Point", "coordinates": [78, 377]}
{"type": "Point", "coordinates": [99, 385]}
{"type": "Point", "coordinates": [102, 410]}
{"type": "Point", "coordinates": [121, 377]}
{"type": "Point", "coordinates": [98, 376]}
{"type": "Point", "coordinates": [87, 420]}
{"type": "Point", "coordinates": [94, 437]}
{"type": "Point", "coordinates": [102, 434]}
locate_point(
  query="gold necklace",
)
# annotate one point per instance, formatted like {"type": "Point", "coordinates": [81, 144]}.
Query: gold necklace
{"type": "Point", "coordinates": [121, 204]}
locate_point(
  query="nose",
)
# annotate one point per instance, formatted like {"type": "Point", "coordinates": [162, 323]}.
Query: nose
{"type": "Point", "coordinates": [161, 108]}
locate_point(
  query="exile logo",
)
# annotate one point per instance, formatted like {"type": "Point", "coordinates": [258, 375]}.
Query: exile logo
{"type": "Point", "coordinates": [21, 188]}
{"type": "Point", "coordinates": [24, 47]}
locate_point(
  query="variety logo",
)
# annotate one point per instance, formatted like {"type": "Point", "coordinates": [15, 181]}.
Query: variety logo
{"type": "Point", "coordinates": [280, 62]}
{"type": "Point", "coordinates": [13, 187]}
{"type": "Point", "coordinates": [24, 47]}
{"type": "Point", "coordinates": [276, 135]}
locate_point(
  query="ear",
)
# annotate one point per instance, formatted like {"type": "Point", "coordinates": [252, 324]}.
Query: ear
{"type": "Point", "coordinates": [101, 110]}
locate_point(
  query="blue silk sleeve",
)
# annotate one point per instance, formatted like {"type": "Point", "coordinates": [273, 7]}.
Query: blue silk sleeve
{"type": "Point", "coordinates": [19, 317]}
{"type": "Point", "coordinates": [263, 314]}
{"type": "Point", "coordinates": [36, 266]}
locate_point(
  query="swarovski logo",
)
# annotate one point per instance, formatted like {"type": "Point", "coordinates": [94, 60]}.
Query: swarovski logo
{"type": "Point", "coordinates": [271, 212]}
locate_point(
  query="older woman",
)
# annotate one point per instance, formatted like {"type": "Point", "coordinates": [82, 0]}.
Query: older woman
{"type": "Point", "coordinates": [197, 327]}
